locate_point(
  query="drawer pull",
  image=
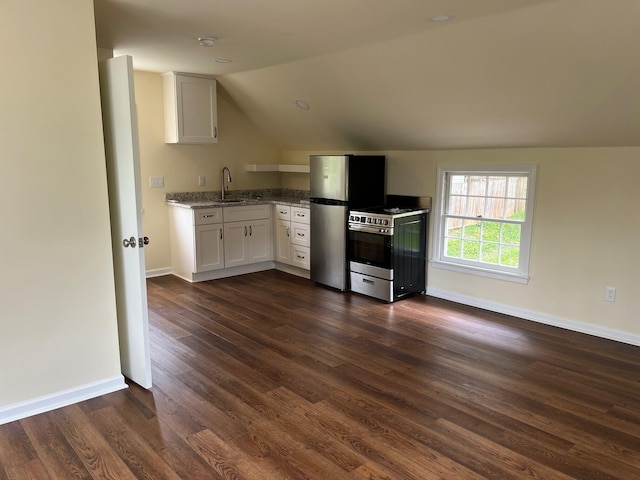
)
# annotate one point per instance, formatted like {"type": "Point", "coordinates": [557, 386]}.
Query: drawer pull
{"type": "Point", "coordinates": [300, 234]}
{"type": "Point", "coordinates": [370, 282]}
{"type": "Point", "coordinates": [208, 216]}
{"type": "Point", "coordinates": [301, 257]}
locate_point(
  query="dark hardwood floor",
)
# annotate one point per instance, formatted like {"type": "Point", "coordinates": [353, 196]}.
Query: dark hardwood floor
{"type": "Point", "coordinates": [267, 376]}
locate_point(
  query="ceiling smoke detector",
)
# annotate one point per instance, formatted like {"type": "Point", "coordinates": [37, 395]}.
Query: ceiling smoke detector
{"type": "Point", "coordinates": [207, 41]}
{"type": "Point", "coordinates": [302, 104]}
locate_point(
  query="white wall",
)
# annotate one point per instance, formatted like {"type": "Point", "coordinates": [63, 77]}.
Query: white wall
{"type": "Point", "coordinates": [585, 237]}
{"type": "Point", "coordinates": [58, 330]}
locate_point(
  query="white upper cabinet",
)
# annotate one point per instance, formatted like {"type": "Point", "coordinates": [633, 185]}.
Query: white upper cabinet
{"type": "Point", "coordinates": [190, 109]}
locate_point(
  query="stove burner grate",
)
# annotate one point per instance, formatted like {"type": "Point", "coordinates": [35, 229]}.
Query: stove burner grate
{"type": "Point", "coordinates": [397, 210]}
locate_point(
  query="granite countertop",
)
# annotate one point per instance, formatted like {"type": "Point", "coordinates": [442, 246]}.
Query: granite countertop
{"type": "Point", "coordinates": [238, 198]}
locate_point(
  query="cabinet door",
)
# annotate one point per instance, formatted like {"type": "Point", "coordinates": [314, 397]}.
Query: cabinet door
{"type": "Point", "coordinates": [236, 249]}
{"type": "Point", "coordinates": [190, 109]}
{"type": "Point", "coordinates": [197, 118]}
{"type": "Point", "coordinates": [209, 248]}
{"type": "Point", "coordinates": [283, 242]}
{"type": "Point", "coordinates": [260, 241]}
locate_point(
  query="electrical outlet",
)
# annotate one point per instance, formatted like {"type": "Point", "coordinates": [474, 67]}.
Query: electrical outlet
{"type": "Point", "coordinates": [156, 182]}
{"type": "Point", "coordinates": [202, 181]}
{"type": "Point", "coordinates": [610, 294]}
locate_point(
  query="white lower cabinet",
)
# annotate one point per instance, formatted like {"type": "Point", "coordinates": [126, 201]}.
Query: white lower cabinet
{"type": "Point", "coordinates": [209, 242]}
{"type": "Point", "coordinates": [292, 236]}
{"type": "Point", "coordinates": [247, 242]}
{"type": "Point", "coordinates": [197, 243]}
{"type": "Point", "coordinates": [248, 235]}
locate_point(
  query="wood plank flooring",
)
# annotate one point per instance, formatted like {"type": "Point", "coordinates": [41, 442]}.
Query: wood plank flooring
{"type": "Point", "coordinates": [267, 376]}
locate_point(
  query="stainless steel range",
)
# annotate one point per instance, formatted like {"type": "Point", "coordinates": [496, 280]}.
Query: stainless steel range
{"type": "Point", "coordinates": [388, 248]}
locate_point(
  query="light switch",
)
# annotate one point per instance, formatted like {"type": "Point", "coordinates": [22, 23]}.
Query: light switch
{"type": "Point", "coordinates": [202, 181]}
{"type": "Point", "coordinates": [156, 182]}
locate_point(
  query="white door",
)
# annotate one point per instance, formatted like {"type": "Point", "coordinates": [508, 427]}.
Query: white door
{"type": "Point", "coordinates": [123, 175]}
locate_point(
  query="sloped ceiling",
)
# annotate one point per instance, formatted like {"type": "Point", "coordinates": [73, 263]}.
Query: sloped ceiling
{"type": "Point", "coordinates": [378, 75]}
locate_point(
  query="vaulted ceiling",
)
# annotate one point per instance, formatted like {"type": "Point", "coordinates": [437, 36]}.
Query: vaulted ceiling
{"type": "Point", "coordinates": [380, 75]}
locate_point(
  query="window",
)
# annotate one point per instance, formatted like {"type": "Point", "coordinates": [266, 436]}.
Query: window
{"type": "Point", "coordinates": [484, 219]}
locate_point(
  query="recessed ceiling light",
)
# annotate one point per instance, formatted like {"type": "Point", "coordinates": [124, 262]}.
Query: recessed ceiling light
{"type": "Point", "coordinates": [444, 17]}
{"type": "Point", "coordinates": [222, 60]}
{"type": "Point", "coordinates": [207, 41]}
{"type": "Point", "coordinates": [302, 104]}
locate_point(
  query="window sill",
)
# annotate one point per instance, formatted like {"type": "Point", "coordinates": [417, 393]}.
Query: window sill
{"type": "Point", "coordinates": [482, 272]}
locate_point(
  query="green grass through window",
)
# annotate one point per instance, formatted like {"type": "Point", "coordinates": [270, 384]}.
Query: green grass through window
{"type": "Point", "coordinates": [486, 241]}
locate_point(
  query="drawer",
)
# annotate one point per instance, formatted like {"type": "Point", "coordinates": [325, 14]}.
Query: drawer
{"type": "Point", "coordinates": [301, 215]}
{"type": "Point", "coordinates": [300, 256]}
{"type": "Point", "coordinates": [206, 216]}
{"type": "Point", "coordinates": [282, 212]}
{"type": "Point", "coordinates": [372, 286]}
{"type": "Point", "coordinates": [246, 212]}
{"type": "Point", "coordinates": [300, 234]}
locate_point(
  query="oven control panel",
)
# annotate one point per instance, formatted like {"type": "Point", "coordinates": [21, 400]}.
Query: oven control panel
{"type": "Point", "coordinates": [369, 220]}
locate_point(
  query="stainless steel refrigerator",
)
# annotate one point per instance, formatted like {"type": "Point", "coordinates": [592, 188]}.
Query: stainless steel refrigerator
{"type": "Point", "coordinates": [338, 184]}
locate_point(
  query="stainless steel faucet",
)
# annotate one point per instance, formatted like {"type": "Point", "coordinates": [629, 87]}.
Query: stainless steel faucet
{"type": "Point", "coordinates": [224, 187]}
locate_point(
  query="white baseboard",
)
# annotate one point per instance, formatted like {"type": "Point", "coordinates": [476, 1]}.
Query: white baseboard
{"type": "Point", "coordinates": [158, 272]}
{"type": "Point", "coordinates": [47, 403]}
{"type": "Point", "coordinates": [297, 271]}
{"type": "Point", "coordinates": [539, 317]}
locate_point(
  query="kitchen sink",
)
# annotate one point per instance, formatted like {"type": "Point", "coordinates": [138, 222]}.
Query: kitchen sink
{"type": "Point", "coordinates": [232, 201]}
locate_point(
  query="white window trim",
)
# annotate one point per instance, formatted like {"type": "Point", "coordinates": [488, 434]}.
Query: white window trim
{"type": "Point", "coordinates": [518, 275]}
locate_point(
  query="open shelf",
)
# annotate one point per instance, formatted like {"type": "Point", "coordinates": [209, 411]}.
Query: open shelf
{"type": "Point", "coordinates": [276, 167]}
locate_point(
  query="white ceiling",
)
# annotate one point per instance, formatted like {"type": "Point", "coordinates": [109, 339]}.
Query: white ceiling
{"type": "Point", "coordinates": [379, 75]}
